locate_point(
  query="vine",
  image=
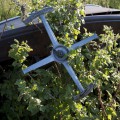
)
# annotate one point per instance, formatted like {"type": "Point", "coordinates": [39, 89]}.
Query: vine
{"type": "Point", "coordinates": [47, 93]}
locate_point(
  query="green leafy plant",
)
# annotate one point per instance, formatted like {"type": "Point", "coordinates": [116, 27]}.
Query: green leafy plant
{"type": "Point", "coordinates": [19, 52]}
{"type": "Point", "coordinates": [47, 93]}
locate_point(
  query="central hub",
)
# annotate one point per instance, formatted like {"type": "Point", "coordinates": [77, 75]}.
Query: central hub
{"type": "Point", "coordinates": [60, 53]}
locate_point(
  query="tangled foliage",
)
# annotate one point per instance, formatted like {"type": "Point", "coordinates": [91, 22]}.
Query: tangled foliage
{"type": "Point", "coordinates": [46, 94]}
{"type": "Point", "coordinates": [19, 52]}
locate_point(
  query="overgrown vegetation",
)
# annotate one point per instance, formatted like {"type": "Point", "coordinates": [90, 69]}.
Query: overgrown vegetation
{"type": "Point", "coordinates": [46, 94]}
{"type": "Point", "coordinates": [9, 8]}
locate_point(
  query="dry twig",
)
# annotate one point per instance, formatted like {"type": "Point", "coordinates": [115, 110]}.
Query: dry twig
{"type": "Point", "coordinates": [101, 102]}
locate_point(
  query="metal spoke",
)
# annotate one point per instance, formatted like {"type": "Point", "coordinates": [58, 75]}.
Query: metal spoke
{"type": "Point", "coordinates": [39, 64]}
{"type": "Point", "coordinates": [83, 42]}
{"type": "Point", "coordinates": [37, 14]}
{"type": "Point", "coordinates": [73, 76]}
{"type": "Point", "coordinates": [49, 31]}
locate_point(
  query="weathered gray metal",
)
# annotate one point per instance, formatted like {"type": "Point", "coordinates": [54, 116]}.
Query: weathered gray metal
{"type": "Point", "coordinates": [91, 9]}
